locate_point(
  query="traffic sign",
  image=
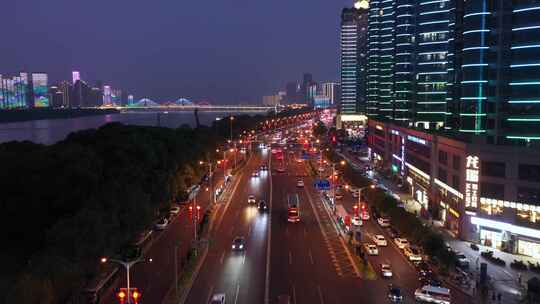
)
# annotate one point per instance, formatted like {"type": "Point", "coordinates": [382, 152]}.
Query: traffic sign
{"type": "Point", "coordinates": [322, 184]}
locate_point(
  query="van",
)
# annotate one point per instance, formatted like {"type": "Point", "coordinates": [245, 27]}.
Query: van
{"type": "Point", "coordinates": [432, 294]}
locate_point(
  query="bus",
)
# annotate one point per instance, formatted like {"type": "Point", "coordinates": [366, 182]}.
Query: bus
{"type": "Point", "coordinates": [293, 208]}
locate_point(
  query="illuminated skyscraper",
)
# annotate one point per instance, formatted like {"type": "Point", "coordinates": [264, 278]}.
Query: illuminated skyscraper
{"type": "Point", "coordinates": [107, 96]}
{"type": "Point", "coordinates": [76, 76]}
{"type": "Point", "coordinates": [40, 90]}
{"type": "Point", "coordinates": [353, 58]}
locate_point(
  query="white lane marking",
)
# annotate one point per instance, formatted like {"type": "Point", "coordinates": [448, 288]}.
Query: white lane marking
{"type": "Point", "coordinates": [222, 258]}
{"type": "Point", "coordinates": [244, 259]}
{"type": "Point", "coordinates": [268, 239]}
{"type": "Point", "coordinates": [210, 294]}
{"type": "Point", "coordinates": [294, 294]}
{"type": "Point", "coordinates": [237, 291]}
{"type": "Point", "coordinates": [321, 298]}
{"type": "Point", "coordinates": [290, 258]}
{"type": "Point", "coordinates": [311, 257]}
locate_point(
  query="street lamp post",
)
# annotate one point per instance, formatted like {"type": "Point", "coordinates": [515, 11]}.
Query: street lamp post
{"type": "Point", "coordinates": [127, 265]}
{"type": "Point", "coordinates": [231, 121]}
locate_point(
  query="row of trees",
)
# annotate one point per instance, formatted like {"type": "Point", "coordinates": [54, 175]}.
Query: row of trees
{"type": "Point", "coordinates": [67, 204]}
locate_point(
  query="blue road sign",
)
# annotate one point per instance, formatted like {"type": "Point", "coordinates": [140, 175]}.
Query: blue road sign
{"type": "Point", "coordinates": [322, 184]}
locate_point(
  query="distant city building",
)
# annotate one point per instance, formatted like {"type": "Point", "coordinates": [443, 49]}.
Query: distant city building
{"type": "Point", "coordinates": [321, 102]}
{"type": "Point", "coordinates": [107, 96]}
{"type": "Point", "coordinates": [131, 99]}
{"type": "Point", "coordinates": [56, 97]}
{"type": "Point", "coordinates": [292, 92]}
{"type": "Point", "coordinates": [353, 63]}
{"type": "Point", "coordinates": [272, 100]}
{"type": "Point", "coordinates": [76, 75]}
{"type": "Point", "coordinates": [40, 90]}
{"type": "Point", "coordinates": [330, 90]}
{"type": "Point", "coordinates": [307, 81]}
{"type": "Point", "coordinates": [312, 91]}
{"type": "Point", "coordinates": [66, 88]}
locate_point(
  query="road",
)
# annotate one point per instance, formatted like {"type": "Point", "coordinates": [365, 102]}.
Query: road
{"type": "Point", "coordinates": [239, 275]}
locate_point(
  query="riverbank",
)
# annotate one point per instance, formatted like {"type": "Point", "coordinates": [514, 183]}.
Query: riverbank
{"type": "Point", "coordinates": [39, 114]}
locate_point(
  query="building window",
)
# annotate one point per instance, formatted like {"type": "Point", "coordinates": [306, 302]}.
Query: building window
{"type": "Point", "coordinates": [455, 181]}
{"type": "Point", "coordinates": [456, 162]}
{"type": "Point", "coordinates": [442, 174]}
{"type": "Point", "coordinates": [529, 172]}
{"type": "Point", "coordinates": [492, 190]}
{"type": "Point", "coordinates": [528, 195]}
{"type": "Point", "coordinates": [443, 157]}
{"type": "Point", "coordinates": [493, 169]}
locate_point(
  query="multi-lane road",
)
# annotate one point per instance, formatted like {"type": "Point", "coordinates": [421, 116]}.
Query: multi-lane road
{"type": "Point", "coordinates": [307, 261]}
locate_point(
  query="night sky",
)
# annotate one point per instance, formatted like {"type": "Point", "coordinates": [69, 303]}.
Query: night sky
{"type": "Point", "coordinates": [223, 51]}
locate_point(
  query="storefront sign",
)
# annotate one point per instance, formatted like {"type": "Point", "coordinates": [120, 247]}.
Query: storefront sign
{"type": "Point", "coordinates": [472, 173]}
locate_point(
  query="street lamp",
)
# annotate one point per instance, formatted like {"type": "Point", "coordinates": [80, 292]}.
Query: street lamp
{"type": "Point", "coordinates": [127, 265]}
{"type": "Point", "coordinates": [211, 180]}
{"type": "Point", "coordinates": [360, 193]}
{"type": "Point", "coordinates": [231, 121]}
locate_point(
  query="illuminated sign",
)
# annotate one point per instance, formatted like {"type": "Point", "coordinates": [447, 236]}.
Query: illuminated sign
{"type": "Point", "coordinates": [417, 140]}
{"type": "Point", "coordinates": [472, 172]}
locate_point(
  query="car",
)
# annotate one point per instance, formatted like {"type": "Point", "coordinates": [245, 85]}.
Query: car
{"type": "Point", "coordinates": [262, 206]}
{"type": "Point", "coordinates": [386, 270]}
{"type": "Point", "coordinates": [218, 298]}
{"type": "Point", "coordinates": [430, 279]}
{"type": "Point", "coordinates": [364, 215]}
{"type": "Point", "coordinates": [462, 260]}
{"type": "Point", "coordinates": [394, 294]}
{"type": "Point", "coordinates": [255, 174]}
{"type": "Point", "coordinates": [401, 242]}
{"type": "Point", "coordinates": [383, 222]}
{"type": "Point", "coordinates": [357, 221]}
{"type": "Point", "coordinates": [251, 199]}
{"type": "Point", "coordinates": [300, 183]}
{"type": "Point", "coordinates": [174, 210]}
{"type": "Point", "coordinates": [393, 233]}
{"type": "Point", "coordinates": [412, 253]}
{"type": "Point", "coordinates": [380, 240]}
{"type": "Point", "coordinates": [338, 195]}
{"type": "Point", "coordinates": [424, 269]}
{"type": "Point", "coordinates": [321, 169]}
{"type": "Point", "coordinates": [239, 244]}
{"type": "Point", "coordinates": [280, 170]}
{"type": "Point", "coordinates": [264, 168]}
{"type": "Point", "coordinates": [371, 249]}
{"type": "Point", "coordinates": [161, 224]}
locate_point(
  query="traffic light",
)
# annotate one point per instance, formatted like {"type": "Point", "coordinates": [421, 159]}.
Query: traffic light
{"type": "Point", "coordinates": [135, 295]}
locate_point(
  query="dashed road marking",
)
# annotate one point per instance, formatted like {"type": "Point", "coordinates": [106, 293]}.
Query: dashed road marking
{"type": "Point", "coordinates": [321, 298]}
{"type": "Point", "coordinates": [237, 291]}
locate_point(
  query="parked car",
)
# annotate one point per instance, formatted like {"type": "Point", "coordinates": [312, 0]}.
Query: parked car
{"type": "Point", "coordinates": [383, 222]}
{"type": "Point", "coordinates": [412, 253]}
{"type": "Point", "coordinates": [371, 249]}
{"type": "Point", "coordinates": [161, 224]}
{"type": "Point", "coordinates": [462, 260]}
{"type": "Point", "coordinates": [379, 240]}
{"type": "Point", "coordinates": [401, 242]}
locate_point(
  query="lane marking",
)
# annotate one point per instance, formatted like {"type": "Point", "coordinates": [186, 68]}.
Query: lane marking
{"type": "Point", "coordinates": [222, 257]}
{"type": "Point", "coordinates": [244, 258]}
{"type": "Point", "coordinates": [321, 298]}
{"type": "Point", "coordinates": [311, 257]}
{"type": "Point", "coordinates": [290, 258]}
{"type": "Point", "coordinates": [209, 294]}
{"type": "Point", "coordinates": [237, 291]}
{"type": "Point", "coordinates": [269, 238]}
{"type": "Point", "coordinates": [294, 294]}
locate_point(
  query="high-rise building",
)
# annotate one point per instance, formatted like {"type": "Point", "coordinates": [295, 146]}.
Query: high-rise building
{"type": "Point", "coordinates": [291, 90]}
{"type": "Point", "coordinates": [131, 99]}
{"type": "Point", "coordinates": [107, 96]}
{"type": "Point", "coordinates": [40, 90]}
{"type": "Point", "coordinates": [330, 90]}
{"type": "Point", "coordinates": [66, 89]}
{"type": "Point", "coordinates": [353, 58]}
{"type": "Point", "coordinates": [76, 75]}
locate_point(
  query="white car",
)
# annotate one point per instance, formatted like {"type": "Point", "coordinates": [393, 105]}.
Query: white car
{"type": "Point", "coordinates": [401, 242]}
{"type": "Point", "coordinates": [462, 260]}
{"type": "Point", "coordinates": [357, 221]}
{"type": "Point", "coordinates": [371, 249]}
{"type": "Point", "coordinates": [386, 270]}
{"type": "Point", "coordinates": [364, 215]}
{"type": "Point", "coordinates": [161, 224]}
{"type": "Point", "coordinates": [174, 210]}
{"type": "Point", "coordinates": [251, 199]}
{"type": "Point", "coordinates": [380, 240]}
{"type": "Point", "coordinates": [218, 298]}
{"type": "Point", "coordinates": [300, 183]}
{"type": "Point", "coordinates": [383, 222]}
{"type": "Point", "coordinates": [413, 254]}
{"type": "Point", "coordinates": [355, 194]}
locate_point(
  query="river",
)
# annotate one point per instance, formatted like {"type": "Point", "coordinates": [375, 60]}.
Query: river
{"type": "Point", "coordinates": [49, 131]}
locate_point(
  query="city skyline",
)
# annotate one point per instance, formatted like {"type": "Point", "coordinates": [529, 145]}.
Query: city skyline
{"type": "Point", "coordinates": [125, 50]}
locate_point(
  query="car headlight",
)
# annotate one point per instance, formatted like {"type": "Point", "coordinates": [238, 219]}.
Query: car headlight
{"type": "Point", "coordinates": [233, 246]}
{"type": "Point", "coordinates": [241, 246]}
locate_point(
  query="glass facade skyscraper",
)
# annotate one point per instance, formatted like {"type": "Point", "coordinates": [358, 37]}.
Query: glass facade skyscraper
{"type": "Point", "coordinates": [353, 59]}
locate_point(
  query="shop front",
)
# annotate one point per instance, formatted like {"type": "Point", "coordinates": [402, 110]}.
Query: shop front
{"type": "Point", "coordinates": [529, 247]}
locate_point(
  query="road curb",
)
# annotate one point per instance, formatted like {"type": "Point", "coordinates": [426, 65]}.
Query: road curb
{"type": "Point", "coordinates": [194, 276]}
